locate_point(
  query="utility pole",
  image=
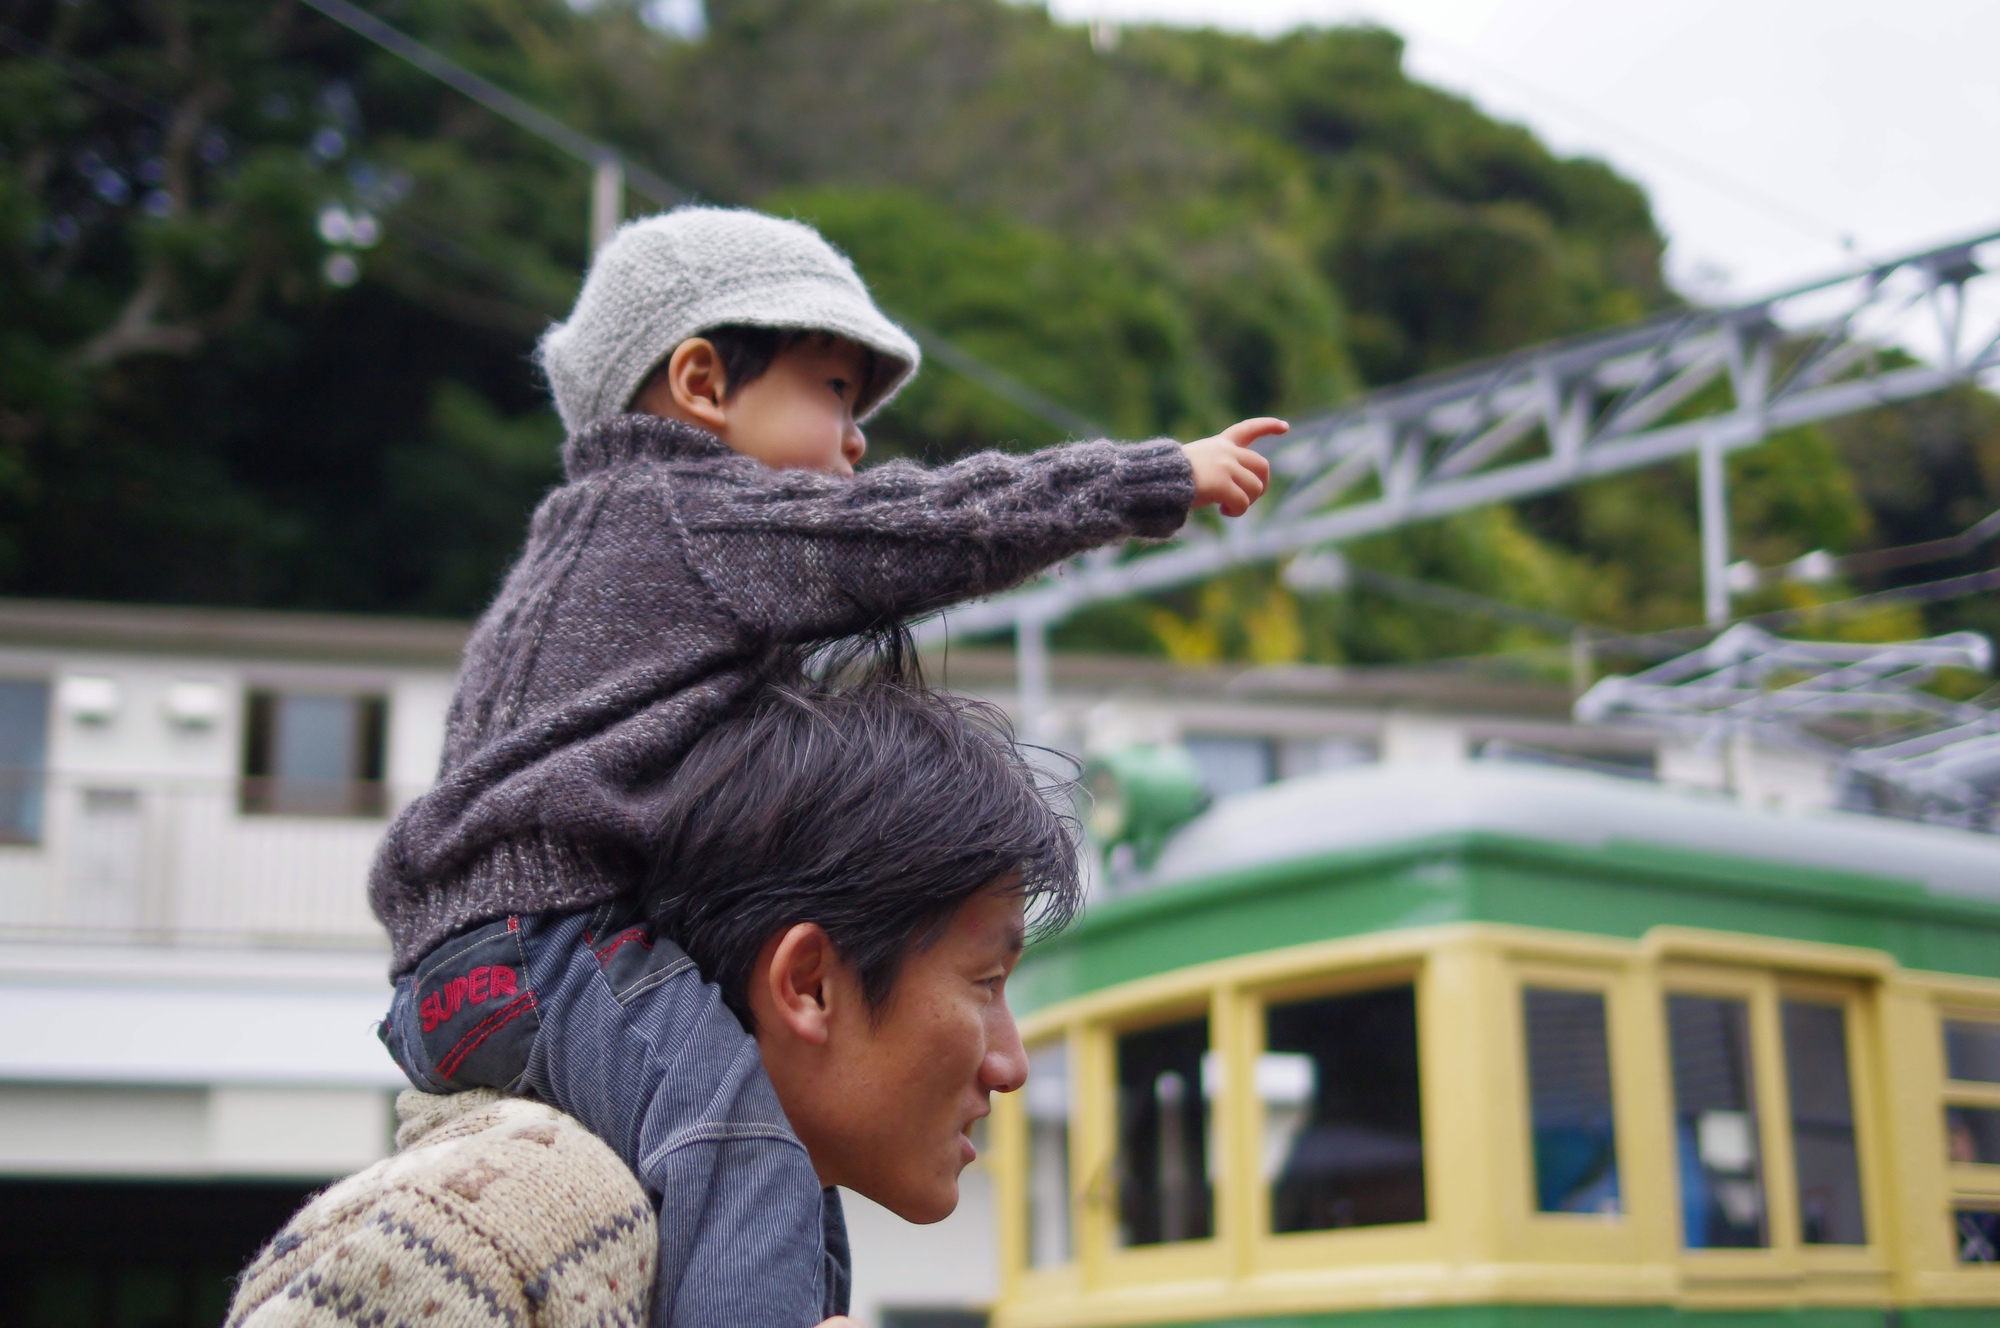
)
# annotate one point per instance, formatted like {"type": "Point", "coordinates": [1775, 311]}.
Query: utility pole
{"type": "Point", "coordinates": [607, 200]}
{"type": "Point", "coordinates": [1031, 672]}
{"type": "Point", "coordinates": [1714, 535]}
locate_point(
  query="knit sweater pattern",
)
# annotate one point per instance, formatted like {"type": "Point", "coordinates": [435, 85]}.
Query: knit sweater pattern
{"type": "Point", "coordinates": [658, 586]}
{"type": "Point", "coordinates": [492, 1211]}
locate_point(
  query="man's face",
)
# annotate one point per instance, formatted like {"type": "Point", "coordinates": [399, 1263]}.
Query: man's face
{"type": "Point", "coordinates": [886, 1104]}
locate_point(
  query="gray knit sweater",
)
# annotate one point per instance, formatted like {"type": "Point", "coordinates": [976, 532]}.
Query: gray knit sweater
{"type": "Point", "coordinates": [656, 585]}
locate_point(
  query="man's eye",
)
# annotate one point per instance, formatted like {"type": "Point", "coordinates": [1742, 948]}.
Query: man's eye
{"type": "Point", "coordinates": [839, 386]}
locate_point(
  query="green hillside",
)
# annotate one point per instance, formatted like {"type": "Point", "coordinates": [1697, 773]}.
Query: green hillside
{"type": "Point", "coordinates": [267, 294]}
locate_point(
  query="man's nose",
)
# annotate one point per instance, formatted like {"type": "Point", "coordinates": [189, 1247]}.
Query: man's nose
{"type": "Point", "coordinates": [1005, 1068]}
{"type": "Point", "coordinates": [854, 445]}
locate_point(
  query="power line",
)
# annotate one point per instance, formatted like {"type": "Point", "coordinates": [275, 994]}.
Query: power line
{"type": "Point", "coordinates": [1794, 218]}
{"type": "Point", "coordinates": [497, 99]}
{"type": "Point", "coordinates": [661, 190]}
{"type": "Point", "coordinates": [998, 383]}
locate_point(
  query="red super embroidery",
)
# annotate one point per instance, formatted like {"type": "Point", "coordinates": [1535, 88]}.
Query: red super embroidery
{"type": "Point", "coordinates": [488, 982]}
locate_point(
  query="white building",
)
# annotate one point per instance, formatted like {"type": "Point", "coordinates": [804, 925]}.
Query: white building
{"type": "Point", "coordinates": [190, 976]}
{"type": "Point", "coordinates": [189, 973]}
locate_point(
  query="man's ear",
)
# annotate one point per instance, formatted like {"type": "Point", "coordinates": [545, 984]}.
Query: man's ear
{"type": "Point", "coordinates": [798, 983]}
{"type": "Point", "coordinates": [689, 387]}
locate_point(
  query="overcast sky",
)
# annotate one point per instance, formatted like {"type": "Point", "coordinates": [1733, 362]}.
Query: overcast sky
{"type": "Point", "coordinates": [1764, 130]}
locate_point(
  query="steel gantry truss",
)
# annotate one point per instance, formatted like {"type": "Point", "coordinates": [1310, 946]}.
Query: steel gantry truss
{"type": "Point", "coordinates": [1900, 747]}
{"type": "Point", "coordinates": [1703, 382]}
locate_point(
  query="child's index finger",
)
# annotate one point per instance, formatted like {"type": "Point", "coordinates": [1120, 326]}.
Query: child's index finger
{"type": "Point", "coordinates": [1245, 433]}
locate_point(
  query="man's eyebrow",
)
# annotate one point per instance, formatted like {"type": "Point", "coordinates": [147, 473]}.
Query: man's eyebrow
{"type": "Point", "coordinates": [1016, 939]}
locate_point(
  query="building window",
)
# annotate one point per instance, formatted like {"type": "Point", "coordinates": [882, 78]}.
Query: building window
{"type": "Point", "coordinates": [1715, 1124]}
{"type": "Point", "coordinates": [1822, 1105]}
{"type": "Point", "coordinates": [24, 748]}
{"type": "Point", "coordinates": [1048, 1103]}
{"type": "Point", "coordinates": [1164, 1187]}
{"type": "Point", "coordinates": [1232, 764]}
{"type": "Point", "coordinates": [314, 754]}
{"type": "Point", "coordinates": [1569, 1102]}
{"type": "Point", "coordinates": [1344, 1133]}
{"type": "Point", "coordinates": [1310, 756]}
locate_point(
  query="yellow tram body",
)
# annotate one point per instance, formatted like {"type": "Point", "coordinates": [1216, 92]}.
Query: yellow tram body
{"type": "Point", "coordinates": [1485, 1047]}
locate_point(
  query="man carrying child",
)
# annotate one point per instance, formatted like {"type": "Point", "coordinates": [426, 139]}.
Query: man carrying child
{"type": "Point", "coordinates": [711, 534]}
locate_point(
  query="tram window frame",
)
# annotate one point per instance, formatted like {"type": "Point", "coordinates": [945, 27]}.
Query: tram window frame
{"type": "Point", "coordinates": [1731, 1148]}
{"type": "Point", "coordinates": [1527, 985]}
{"type": "Point", "coordinates": [1765, 992]}
{"type": "Point", "coordinates": [1971, 1182]}
{"type": "Point", "coordinates": [1793, 1008]}
{"type": "Point", "coordinates": [1041, 1051]}
{"type": "Point", "coordinates": [1283, 1252]}
{"type": "Point", "coordinates": [1209, 1112]}
{"type": "Point", "coordinates": [1101, 1258]}
{"type": "Point", "coordinates": [1268, 1188]}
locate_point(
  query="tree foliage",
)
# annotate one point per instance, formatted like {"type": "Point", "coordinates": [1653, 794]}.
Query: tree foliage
{"type": "Point", "coordinates": [268, 294]}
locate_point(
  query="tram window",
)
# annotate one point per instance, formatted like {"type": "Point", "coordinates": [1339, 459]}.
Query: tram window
{"type": "Point", "coordinates": [1823, 1150]}
{"type": "Point", "coordinates": [1354, 1155]}
{"type": "Point", "coordinates": [1048, 1155]}
{"type": "Point", "coordinates": [1569, 1096]}
{"type": "Point", "coordinates": [1974, 1134]}
{"type": "Point", "coordinates": [1972, 1051]}
{"type": "Point", "coordinates": [1978, 1235]}
{"type": "Point", "coordinates": [1164, 1190]}
{"type": "Point", "coordinates": [1715, 1123]}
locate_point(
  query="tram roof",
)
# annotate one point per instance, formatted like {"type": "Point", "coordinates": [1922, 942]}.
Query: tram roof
{"type": "Point", "coordinates": [1376, 849]}
{"type": "Point", "coordinates": [1366, 806]}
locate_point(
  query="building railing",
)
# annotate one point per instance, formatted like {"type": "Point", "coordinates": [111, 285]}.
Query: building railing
{"type": "Point", "coordinates": [274, 795]}
{"type": "Point", "coordinates": [174, 859]}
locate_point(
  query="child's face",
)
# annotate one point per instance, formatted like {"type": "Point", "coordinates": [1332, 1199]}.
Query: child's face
{"type": "Point", "coordinates": [798, 415]}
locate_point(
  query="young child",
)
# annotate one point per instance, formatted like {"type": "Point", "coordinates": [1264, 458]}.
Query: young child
{"type": "Point", "coordinates": [712, 378]}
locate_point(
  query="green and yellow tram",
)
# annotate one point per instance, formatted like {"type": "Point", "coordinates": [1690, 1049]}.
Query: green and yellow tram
{"type": "Point", "coordinates": [1505, 1045]}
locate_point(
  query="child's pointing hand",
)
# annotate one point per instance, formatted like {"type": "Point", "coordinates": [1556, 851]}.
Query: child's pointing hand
{"type": "Point", "coordinates": [1226, 472]}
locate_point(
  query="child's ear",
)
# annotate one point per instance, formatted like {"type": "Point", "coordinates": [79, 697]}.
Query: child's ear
{"type": "Point", "coordinates": [689, 387]}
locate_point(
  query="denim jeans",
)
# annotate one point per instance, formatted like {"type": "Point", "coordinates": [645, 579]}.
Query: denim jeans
{"type": "Point", "coordinates": [595, 1016]}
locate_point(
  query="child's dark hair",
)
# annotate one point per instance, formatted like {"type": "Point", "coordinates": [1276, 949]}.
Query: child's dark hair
{"type": "Point", "coordinates": [862, 801]}
{"type": "Point", "coordinates": [747, 353]}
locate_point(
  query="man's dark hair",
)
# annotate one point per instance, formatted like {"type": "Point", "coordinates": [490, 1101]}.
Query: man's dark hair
{"type": "Point", "coordinates": [871, 805]}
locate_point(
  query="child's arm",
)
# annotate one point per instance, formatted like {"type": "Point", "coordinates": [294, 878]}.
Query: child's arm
{"type": "Point", "coordinates": [802, 556]}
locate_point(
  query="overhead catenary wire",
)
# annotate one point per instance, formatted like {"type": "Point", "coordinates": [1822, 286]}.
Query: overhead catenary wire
{"type": "Point", "coordinates": [498, 100]}
{"type": "Point", "coordinates": [1675, 640]}
{"type": "Point", "coordinates": [1000, 384]}
{"type": "Point", "coordinates": [1777, 209]}
{"type": "Point", "coordinates": [664, 192]}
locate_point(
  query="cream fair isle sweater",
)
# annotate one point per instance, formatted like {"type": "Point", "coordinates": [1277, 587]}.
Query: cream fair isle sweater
{"type": "Point", "coordinates": [496, 1212]}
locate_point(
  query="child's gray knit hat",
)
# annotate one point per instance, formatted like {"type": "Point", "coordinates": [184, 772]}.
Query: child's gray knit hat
{"type": "Point", "coordinates": [665, 278]}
